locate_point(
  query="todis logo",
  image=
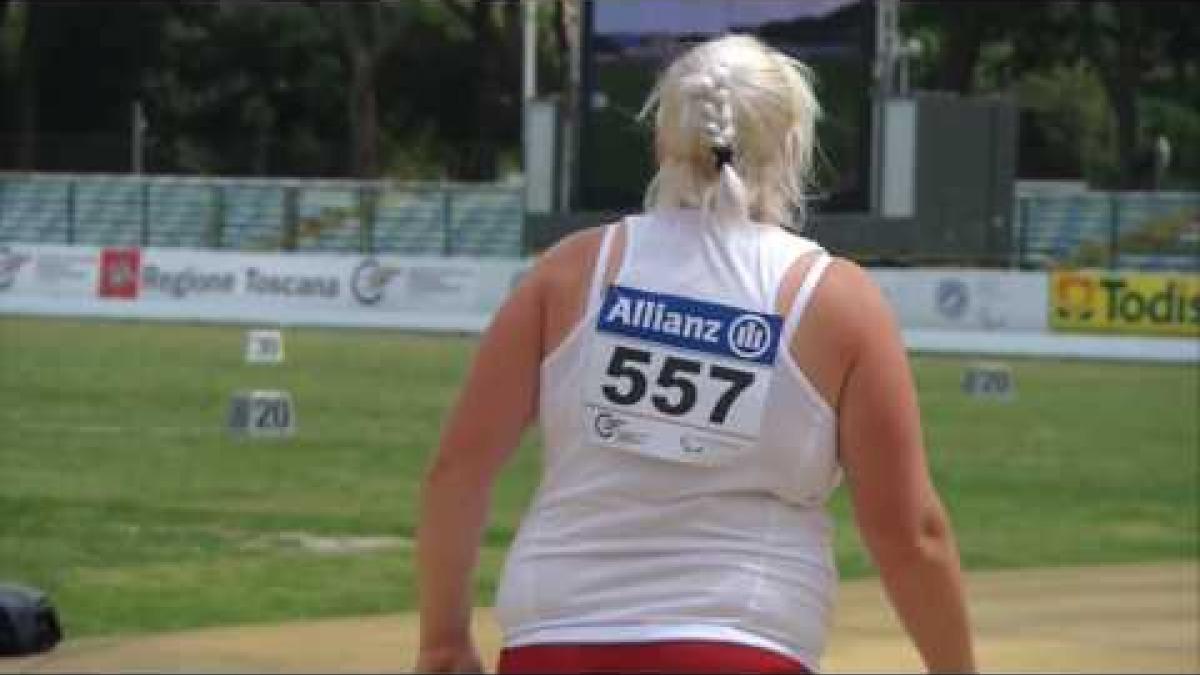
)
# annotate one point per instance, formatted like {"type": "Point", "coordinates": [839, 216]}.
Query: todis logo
{"type": "Point", "coordinates": [1074, 297]}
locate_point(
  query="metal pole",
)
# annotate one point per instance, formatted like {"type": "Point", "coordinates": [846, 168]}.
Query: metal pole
{"type": "Point", "coordinates": [138, 144]}
{"type": "Point", "coordinates": [368, 201]}
{"type": "Point", "coordinates": [1114, 229]}
{"type": "Point", "coordinates": [290, 234]}
{"type": "Point", "coordinates": [1022, 229]}
{"type": "Point", "coordinates": [887, 30]}
{"type": "Point", "coordinates": [145, 208]}
{"type": "Point", "coordinates": [884, 67]}
{"type": "Point", "coordinates": [529, 54]}
{"type": "Point", "coordinates": [447, 240]}
{"type": "Point", "coordinates": [71, 236]}
{"type": "Point", "coordinates": [528, 82]}
{"type": "Point", "coordinates": [216, 224]}
{"type": "Point", "coordinates": [572, 14]}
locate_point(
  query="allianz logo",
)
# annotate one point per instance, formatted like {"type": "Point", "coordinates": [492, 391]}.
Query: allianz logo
{"type": "Point", "coordinates": [747, 335]}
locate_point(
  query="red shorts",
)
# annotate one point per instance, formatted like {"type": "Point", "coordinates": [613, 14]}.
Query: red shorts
{"type": "Point", "coordinates": [675, 656]}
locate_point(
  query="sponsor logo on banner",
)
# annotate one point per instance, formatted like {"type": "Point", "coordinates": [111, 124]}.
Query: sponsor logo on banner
{"type": "Point", "coordinates": [952, 298]}
{"type": "Point", "coordinates": [120, 272]}
{"type": "Point", "coordinates": [432, 285]}
{"type": "Point", "coordinates": [690, 324]}
{"type": "Point", "coordinates": [261, 282]}
{"type": "Point", "coordinates": [64, 270]}
{"type": "Point", "coordinates": [1102, 301]}
{"type": "Point", "coordinates": [10, 264]}
{"type": "Point", "coordinates": [189, 281]}
{"type": "Point", "coordinates": [370, 279]}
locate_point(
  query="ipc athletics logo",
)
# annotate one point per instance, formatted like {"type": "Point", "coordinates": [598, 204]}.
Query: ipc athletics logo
{"type": "Point", "coordinates": [369, 280]}
{"type": "Point", "coordinates": [749, 336]}
{"type": "Point", "coordinates": [607, 425]}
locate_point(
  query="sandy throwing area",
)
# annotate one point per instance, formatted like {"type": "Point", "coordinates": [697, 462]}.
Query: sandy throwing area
{"type": "Point", "coordinates": [1116, 618]}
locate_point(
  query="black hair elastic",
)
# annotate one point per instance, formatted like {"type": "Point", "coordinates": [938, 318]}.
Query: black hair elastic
{"type": "Point", "coordinates": [723, 154]}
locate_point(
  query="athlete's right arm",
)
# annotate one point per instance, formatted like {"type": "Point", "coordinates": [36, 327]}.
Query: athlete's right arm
{"type": "Point", "coordinates": [497, 403]}
{"type": "Point", "coordinates": [901, 519]}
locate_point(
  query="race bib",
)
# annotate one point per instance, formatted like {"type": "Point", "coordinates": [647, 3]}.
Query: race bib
{"type": "Point", "coordinates": [676, 378]}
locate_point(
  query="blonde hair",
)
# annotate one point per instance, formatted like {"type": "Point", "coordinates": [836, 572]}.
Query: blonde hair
{"type": "Point", "coordinates": [735, 129]}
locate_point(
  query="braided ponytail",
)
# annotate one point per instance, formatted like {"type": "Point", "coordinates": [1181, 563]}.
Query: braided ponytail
{"type": "Point", "coordinates": [734, 126]}
{"type": "Point", "coordinates": [730, 200]}
{"type": "Point", "coordinates": [711, 91]}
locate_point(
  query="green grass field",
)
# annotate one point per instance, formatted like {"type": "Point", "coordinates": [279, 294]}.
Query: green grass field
{"type": "Point", "coordinates": [122, 495]}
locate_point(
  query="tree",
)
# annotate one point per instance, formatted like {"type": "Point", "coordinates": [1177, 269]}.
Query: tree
{"type": "Point", "coordinates": [23, 27]}
{"type": "Point", "coordinates": [48, 44]}
{"type": "Point", "coordinates": [1133, 45]}
{"type": "Point", "coordinates": [1110, 39]}
{"type": "Point", "coordinates": [247, 87]}
{"type": "Point", "coordinates": [270, 88]}
{"type": "Point", "coordinates": [494, 73]}
{"type": "Point", "coordinates": [1140, 52]}
{"type": "Point", "coordinates": [365, 31]}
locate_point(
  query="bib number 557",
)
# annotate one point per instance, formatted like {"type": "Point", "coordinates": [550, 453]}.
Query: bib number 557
{"type": "Point", "coordinates": [676, 391]}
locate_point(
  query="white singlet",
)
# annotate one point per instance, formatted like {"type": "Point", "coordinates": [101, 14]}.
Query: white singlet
{"type": "Point", "coordinates": [687, 458]}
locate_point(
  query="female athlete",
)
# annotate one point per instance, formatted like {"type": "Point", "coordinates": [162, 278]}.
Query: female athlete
{"type": "Point", "coordinates": [702, 378]}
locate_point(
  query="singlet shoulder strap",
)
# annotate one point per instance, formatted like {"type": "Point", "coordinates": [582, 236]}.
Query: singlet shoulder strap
{"type": "Point", "coordinates": [815, 271]}
{"type": "Point", "coordinates": [596, 291]}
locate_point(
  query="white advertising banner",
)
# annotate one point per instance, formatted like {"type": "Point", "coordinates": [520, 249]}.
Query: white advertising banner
{"type": "Point", "coordinates": [313, 289]}
{"type": "Point", "coordinates": [966, 299]}
{"type": "Point", "coordinates": [408, 292]}
{"type": "Point", "coordinates": [940, 310]}
{"type": "Point", "coordinates": [47, 272]}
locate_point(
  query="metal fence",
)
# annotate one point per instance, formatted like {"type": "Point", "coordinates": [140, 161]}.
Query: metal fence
{"type": "Point", "coordinates": [264, 214]}
{"type": "Point", "coordinates": [1142, 230]}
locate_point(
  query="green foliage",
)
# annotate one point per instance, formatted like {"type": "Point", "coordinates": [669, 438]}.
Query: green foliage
{"type": "Point", "coordinates": [246, 89]}
{"type": "Point", "coordinates": [267, 88]}
{"type": "Point", "coordinates": [1072, 113]}
{"type": "Point", "coordinates": [1179, 121]}
{"type": "Point", "coordinates": [1075, 66]}
{"type": "Point", "coordinates": [12, 33]}
{"type": "Point", "coordinates": [125, 499]}
{"type": "Point", "coordinates": [259, 87]}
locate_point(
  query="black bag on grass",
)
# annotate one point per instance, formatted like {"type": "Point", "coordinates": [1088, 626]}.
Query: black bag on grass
{"type": "Point", "coordinates": [28, 622]}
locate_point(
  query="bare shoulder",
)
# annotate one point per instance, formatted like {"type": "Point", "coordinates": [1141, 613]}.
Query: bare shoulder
{"type": "Point", "coordinates": [847, 284]}
{"type": "Point", "coordinates": [573, 248]}
{"type": "Point", "coordinates": [570, 256]}
{"type": "Point", "coordinates": [849, 301]}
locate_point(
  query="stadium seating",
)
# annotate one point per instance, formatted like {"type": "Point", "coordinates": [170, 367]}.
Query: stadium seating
{"type": "Point", "coordinates": [1054, 225]}
{"type": "Point", "coordinates": [252, 214]}
{"type": "Point", "coordinates": [34, 210]}
{"type": "Point", "coordinates": [1055, 228]}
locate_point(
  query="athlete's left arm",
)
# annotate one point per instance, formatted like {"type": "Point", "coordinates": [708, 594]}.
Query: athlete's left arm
{"type": "Point", "coordinates": [496, 404]}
